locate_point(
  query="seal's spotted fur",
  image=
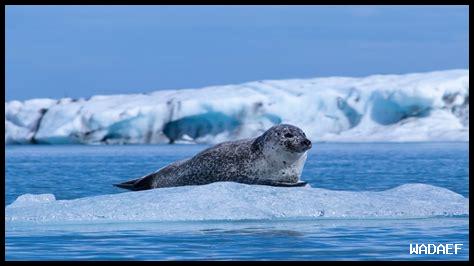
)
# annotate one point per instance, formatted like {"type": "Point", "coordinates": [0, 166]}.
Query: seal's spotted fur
{"type": "Point", "coordinates": [275, 158]}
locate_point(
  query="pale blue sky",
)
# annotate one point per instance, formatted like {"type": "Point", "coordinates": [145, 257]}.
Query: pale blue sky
{"type": "Point", "coordinates": [79, 51]}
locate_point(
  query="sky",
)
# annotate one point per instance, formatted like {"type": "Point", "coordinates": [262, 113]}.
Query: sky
{"type": "Point", "coordinates": [80, 51]}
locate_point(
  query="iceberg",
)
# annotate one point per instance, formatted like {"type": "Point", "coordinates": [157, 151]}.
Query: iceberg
{"type": "Point", "coordinates": [234, 201]}
{"type": "Point", "coordinates": [432, 106]}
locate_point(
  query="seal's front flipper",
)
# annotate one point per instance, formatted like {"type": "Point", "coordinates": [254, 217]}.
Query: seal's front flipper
{"type": "Point", "coordinates": [273, 183]}
{"type": "Point", "coordinates": [283, 184]}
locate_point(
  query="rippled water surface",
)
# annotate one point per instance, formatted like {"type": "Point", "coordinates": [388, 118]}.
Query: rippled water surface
{"type": "Point", "coordinates": [71, 172]}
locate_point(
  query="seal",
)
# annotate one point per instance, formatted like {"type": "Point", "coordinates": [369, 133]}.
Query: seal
{"type": "Point", "coordinates": [275, 158]}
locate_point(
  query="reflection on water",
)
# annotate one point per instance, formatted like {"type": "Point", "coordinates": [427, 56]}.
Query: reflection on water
{"type": "Point", "coordinates": [281, 240]}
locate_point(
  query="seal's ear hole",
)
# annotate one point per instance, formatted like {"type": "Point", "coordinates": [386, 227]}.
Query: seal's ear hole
{"type": "Point", "coordinates": [257, 144]}
{"type": "Point", "coordinates": [288, 135]}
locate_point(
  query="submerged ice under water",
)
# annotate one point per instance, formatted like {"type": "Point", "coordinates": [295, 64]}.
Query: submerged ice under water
{"type": "Point", "coordinates": [366, 201]}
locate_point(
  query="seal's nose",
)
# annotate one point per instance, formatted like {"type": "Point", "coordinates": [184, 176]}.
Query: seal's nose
{"type": "Point", "coordinates": [307, 142]}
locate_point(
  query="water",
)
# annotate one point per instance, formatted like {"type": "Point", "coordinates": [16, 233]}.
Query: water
{"type": "Point", "coordinates": [71, 172]}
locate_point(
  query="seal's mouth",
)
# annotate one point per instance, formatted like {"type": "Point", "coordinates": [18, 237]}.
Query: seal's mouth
{"type": "Point", "coordinates": [302, 146]}
{"type": "Point", "coordinates": [307, 144]}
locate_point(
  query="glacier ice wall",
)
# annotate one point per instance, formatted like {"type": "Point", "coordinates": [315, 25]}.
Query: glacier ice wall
{"type": "Point", "coordinates": [235, 201]}
{"type": "Point", "coordinates": [431, 106]}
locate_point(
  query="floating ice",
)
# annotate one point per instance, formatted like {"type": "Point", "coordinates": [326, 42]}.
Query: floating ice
{"type": "Point", "coordinates": [32, 199]}
{"type": "Point", "coordinates": [235, 201]}
{"type": "Point", "coordinates": [431, 106]}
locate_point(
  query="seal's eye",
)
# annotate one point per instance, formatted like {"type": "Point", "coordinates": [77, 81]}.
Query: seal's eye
{"type": "Point", "coordinates": [288, 135]}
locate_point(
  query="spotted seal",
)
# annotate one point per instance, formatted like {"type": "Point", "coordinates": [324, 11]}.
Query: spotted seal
{"type": "Point", "coordinates": [275, 158]}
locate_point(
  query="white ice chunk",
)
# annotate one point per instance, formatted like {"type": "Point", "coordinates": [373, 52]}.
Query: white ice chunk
{"type": "Point", "coordinates": [32, 199]}
{"type": "Point", "coordinates": [235, 201]}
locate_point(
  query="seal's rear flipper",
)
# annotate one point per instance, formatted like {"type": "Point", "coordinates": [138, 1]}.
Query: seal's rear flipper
{"type": "Point", "coordinates": [143, 183]}
{"type": "Point", "coordinates": [128, 184]}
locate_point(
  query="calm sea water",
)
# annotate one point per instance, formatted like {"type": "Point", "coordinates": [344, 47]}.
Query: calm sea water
{"type": "Point", "coordinates": [71, 172]}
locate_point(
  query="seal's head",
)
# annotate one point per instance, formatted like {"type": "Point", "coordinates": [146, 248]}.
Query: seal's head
{"type": "Point", "coordinates": [283, 138]}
